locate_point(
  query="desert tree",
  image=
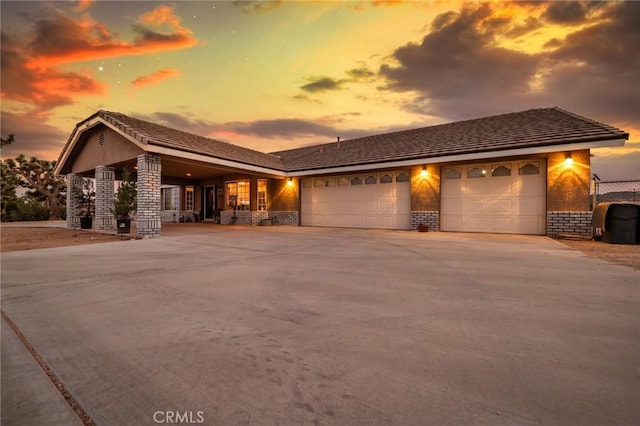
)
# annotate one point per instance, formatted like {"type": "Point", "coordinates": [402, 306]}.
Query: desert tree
{"type": "Point", "coordinates": [38, 177]}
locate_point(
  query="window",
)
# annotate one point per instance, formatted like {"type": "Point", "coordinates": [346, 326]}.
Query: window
{"type": "Point", "coordinates": [307, 183]}
{"type": "Point", "coordinates": [386, 179]}
{"type": "Point", "coordinates": [188, 198]}
{"type": "Point", "coordinates": [171, 198]}
{"type": "Point", "coordinates": [238, 195]}
{"type": "Point", "coordinates": [318, 183]}
{"type": "Point", "coordinates": [501, 170]}
{"type": "Point", "coordinates": [343, 181]}
{"type": "Point", "coordinates": [402, 177]}
{"type": "Point", "coordinates": [356, 180]}
{"type": "Point", "coordinates": [476, 172]}
{"type": "Point", "coordinates": [262, 195]}
{"type": "Point", "coordinates": [453, 173]}
{"type": "Point", "coordinates": [529, 168]}
{"type": "Point", "coordinates": [371, 179]}
{"type": "Point", "coordinates": [330, 181]}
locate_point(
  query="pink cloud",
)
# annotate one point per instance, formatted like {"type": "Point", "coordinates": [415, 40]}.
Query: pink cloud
{"type": "Point", "coordinates": [156, 77]}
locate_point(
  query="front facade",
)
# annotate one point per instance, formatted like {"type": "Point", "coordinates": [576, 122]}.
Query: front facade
{"type": "Point", "coordinates": [520, 173]}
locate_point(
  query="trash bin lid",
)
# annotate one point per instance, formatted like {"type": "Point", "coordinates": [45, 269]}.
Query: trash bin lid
{"type": "Point", "coordinates": [623, 211]}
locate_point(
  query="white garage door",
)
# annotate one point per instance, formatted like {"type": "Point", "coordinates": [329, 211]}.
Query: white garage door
{"type": "Point", "coordinates": [501, 197]}
{"type": "Point", "coordinates": [372, 200]}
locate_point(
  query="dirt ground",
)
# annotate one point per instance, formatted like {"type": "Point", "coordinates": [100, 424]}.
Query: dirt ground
{"type": "Point", "coordinates": [621, 254]}
{"type": "Point", "coordinates": [14, 239]}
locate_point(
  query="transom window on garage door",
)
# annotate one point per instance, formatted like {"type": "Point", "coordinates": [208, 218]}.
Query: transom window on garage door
{"type": "Point", "coordinates": [356, 180]}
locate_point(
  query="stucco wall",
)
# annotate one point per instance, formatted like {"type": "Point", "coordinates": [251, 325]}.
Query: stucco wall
{"type": "Point", "coordinates": [425, 190]}
{"type": "Point", "coordinates": [105, 150]}
{"type": "Point", "coordinates": [282, 196]}
{"type": "Point", "coordinates": [568, 186]}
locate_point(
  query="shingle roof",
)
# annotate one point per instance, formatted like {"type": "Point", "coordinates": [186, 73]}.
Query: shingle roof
{"type": "Point", "coordinates": [525, 129]}
{"type": "Point", "coordinates": [531, 128]}
{"type": "Point", "coordinates": [155, 134]}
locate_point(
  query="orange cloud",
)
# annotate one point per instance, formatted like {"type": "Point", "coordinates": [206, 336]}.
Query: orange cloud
{"type": "Point", "coordinates": [155, 77]}
{"type": "Point", "coordinates": [63, 40]}
{"type": "Point", "coordinates": [45, 88]}
{"type": "Point", "coordinates": [30, 70]}
{"type": "Point", "coordinates": [84, 5]}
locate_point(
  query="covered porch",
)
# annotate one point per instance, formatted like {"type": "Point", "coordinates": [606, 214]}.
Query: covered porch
{"type": "Point", "coordinates": [178, 179]}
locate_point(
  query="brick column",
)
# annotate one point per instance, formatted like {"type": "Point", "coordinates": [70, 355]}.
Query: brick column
{"type": "Point", "coordinates": [73, 209]}
{"type": "Point", "coordinates": [104, 198]}
{"type": "Point", "coordinates": [149, 179]}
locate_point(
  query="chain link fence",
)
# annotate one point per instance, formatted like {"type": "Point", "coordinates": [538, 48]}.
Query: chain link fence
{"type": "Point", "coordinates": [614, 190]}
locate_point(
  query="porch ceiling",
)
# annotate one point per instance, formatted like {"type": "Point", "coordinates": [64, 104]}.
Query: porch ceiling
{"type": "Point", "coordinates": [191, 169]}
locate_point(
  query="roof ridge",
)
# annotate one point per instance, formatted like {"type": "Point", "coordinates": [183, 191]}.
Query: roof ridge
{"type": "Point", "coordinates": [414, 129]}
{"type": "Point", "coordinates": [114, 115]}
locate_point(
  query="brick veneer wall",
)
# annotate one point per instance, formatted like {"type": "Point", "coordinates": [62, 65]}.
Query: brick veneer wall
{"type": "Point", "coordinates": [104, 198]}
{"type": "Point", "coordinates": [431, 218]}
{"type": "Point", "coordinates": [574, 223]}
{"type": "Point", "coordinates": [291, 218]}
{"type": "Point", "coordinates": [149, 199]}
{"type": "Point", "coordinates": [73, 208]}
{"type": "Point", "coordinates": [246, 217]}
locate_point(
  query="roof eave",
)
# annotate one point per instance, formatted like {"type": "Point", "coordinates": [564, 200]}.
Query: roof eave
{"type": "Point", "coordinates": [180, 153]}
{"type": "Point", "coordinates": [478, 155]}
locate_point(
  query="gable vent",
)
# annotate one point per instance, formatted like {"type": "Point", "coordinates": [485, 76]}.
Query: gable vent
{"type": "Point", "coordinates": [101, 139]}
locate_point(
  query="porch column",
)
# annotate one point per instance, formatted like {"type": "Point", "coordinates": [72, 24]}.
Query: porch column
{"type": "Point", "coordinates": [104, 198]}
{"type": "Point", "coordinates": [149, 179]}
{"type": "Point", "coordinates": [73, 209]}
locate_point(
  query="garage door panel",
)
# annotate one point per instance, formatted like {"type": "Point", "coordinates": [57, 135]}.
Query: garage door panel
{"type": "Point", "coordinates": [501, 206]}
{"type": "Point", "coordinates": [475, 205]}
{"type": "Point", "coordinates": [509, 203]}
{"type": "Point", "coordinates": [501, 186]}
{"type": "Point", "coordinates": [451, 222]}
{"type": "Point", "coordinates": [376, 205]}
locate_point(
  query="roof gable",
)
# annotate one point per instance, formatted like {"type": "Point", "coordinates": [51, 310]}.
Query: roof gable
{"type": "Point", "coordinates": [146, 135]}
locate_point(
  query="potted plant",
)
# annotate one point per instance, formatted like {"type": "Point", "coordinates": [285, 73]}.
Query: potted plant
{"type": "Point", "coordinates": [125, 202]}
{"type": "Point", "coordinates": [86, 196]}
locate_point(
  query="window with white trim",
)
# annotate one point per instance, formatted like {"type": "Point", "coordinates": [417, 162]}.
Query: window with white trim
{"type": "Point", "coordinates": [188, 198]}
{"type": "Point", "coordinates": [237, 195]}
{"type": "Point", "coordinates": [262, 194]}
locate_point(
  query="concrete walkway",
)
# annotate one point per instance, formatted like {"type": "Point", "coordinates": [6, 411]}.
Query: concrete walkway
{"type": "Point", "coordinates": [266, 325]}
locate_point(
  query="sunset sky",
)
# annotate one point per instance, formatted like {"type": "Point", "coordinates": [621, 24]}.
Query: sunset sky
{"type": "Point", "coordinates": [273, 75]}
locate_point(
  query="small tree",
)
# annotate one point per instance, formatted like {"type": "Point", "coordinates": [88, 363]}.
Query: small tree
{"type": "Point", "coordinates": [126, 198]}
{"type": "Point", "coordinates": [86, 196]}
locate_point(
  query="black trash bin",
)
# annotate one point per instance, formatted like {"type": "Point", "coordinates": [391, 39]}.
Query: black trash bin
{"type": "Point", "coordinates": [621, 224]}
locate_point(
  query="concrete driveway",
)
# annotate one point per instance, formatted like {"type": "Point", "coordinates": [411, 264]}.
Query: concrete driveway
{"type": "Point", "coordinates": [296, 326]}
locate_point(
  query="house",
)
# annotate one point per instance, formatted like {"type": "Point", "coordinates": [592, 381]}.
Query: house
{"type": "Point", "coordinates": [525, 172]}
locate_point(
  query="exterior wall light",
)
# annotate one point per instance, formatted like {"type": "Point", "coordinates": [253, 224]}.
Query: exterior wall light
{"type": "Point", "coordinates": [290, 182]}
{"type": "Point", "coordinates": [568, 160]}
{"type": "Point", "coordinates": [424, 172]}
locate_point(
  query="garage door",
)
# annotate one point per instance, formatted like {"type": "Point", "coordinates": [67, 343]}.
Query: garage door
{"type": "Point", "coordinates": [372, 200]}
{"type": "Point", "coordinates": [505, 197]}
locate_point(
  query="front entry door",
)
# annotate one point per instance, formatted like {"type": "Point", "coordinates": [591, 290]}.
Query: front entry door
{"type": "Point", "coordinates": [209, 202]}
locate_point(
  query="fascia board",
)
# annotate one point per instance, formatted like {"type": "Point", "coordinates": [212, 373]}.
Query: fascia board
{"type": "Point", "coordinates": [82, 128]}
{"type": "Point", "coordinates": [460, 157]}
{"type": "Point", "coordinates": [212, 160]}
